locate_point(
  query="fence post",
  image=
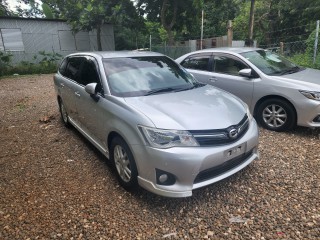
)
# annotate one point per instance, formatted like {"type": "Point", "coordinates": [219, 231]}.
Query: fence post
{"type": "Point", "coordinates": [230, 33]}
{"type": "Point", "coordinates": [281, 48]}
{"type": "Point", "coordinates": [316, 43]}
{"type": "Point", "coordinates": [201, 30]}
{"type": "Point", "coordinates": [150, 43]}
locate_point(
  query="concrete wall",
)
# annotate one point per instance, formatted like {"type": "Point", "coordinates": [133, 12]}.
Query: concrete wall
{"type": "Point", "coordinates": [48, 35]}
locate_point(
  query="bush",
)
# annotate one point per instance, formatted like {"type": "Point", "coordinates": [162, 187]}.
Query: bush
{"type": "Point", "coordinates": [306, 60]}
{"type": "Point", "coordinates": [47, 64]}
{"type": "Point", "coordinates": [5, 60]}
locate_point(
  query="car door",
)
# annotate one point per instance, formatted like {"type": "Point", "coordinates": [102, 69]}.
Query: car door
{"type": "Point", "coordinates": [91, 109]}
{"type": "Point", "coordinates": [225, 75]}
{"type": "Point", "coordinates": [70, 86]}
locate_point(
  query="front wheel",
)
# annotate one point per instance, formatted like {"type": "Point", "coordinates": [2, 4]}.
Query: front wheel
{"type": "Point", "coordinates": [276, 115]}
{"type": "Point", "coordinates": [64, 114]}
{"type": "Point", "coordinates": [123, 160]}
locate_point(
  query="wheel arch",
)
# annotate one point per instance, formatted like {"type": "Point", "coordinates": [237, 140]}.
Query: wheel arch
{"type": "Point", "coordinates": [113, 134]}
{"type": "Point", "coordinates": [59, 98]}
{"type": "Point", "coordinates": [261, 100]}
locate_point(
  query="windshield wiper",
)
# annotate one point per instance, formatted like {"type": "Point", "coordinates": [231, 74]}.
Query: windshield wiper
{"type": "Point", "coordinates": [196, 85]}
{"type": "Point", "coordinates": [160, 90]}
{"type": "Point", "coordinates": [176, 89]}
{"type": "Point", "coordinates": [290, 70]}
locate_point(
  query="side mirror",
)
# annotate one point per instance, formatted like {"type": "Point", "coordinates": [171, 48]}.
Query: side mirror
{"type": "Point", "coordinates": [91, 88]}
{"type": "Point", "coordinates": [247, 72]}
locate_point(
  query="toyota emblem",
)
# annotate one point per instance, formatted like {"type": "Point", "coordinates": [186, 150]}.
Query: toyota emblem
{"type": "Point", "coordinates": [233, 133]}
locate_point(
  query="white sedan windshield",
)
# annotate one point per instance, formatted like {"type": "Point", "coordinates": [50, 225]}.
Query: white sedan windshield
{"type": "Point", "coordinates": [270, 63]}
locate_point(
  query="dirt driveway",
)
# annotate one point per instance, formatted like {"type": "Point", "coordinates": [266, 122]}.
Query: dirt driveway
{"type": "Point", "coordinates": [55, 185]}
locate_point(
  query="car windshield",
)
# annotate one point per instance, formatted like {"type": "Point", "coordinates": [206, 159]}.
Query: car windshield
{"type": "Point", "coordinates": [271, 63]}
{"type": "Point", "coordinates": [141, 76]}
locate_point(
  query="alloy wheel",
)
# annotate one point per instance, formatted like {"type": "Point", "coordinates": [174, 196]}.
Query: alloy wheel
{"type": "Point", "coordinates": [64, 113]}
{"type": "Point", "coordinates": [274, 116]}
{"type": "Point", "coordinates": [122, 163]}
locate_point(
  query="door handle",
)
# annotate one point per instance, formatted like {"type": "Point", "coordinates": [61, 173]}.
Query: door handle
{"type": "Point", "coordinates": [61, 85]}
{"type": "Point", "coordinates": [77, 94]}
{"type": "Point", "coordinates": [213, 79]}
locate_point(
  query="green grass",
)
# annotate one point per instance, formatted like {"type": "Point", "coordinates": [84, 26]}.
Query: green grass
{"type": "Point", "coordinates": [306, 60]}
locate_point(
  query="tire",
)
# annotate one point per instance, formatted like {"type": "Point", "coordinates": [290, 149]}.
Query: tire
{"type": "Point", "coordinates": [124, 163]}
{"type": "Point", "coordinates": [276, 115]}
{"type": "Point", "coordinates": [64, 114]}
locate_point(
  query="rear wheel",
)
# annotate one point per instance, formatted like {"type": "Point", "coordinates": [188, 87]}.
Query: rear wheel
{"type": "Point", "coordinates": [64, 114]}
{"type": "Point", "coordinates": [123, 160]}
{"type": "Point", "coordinates": [276, 115]}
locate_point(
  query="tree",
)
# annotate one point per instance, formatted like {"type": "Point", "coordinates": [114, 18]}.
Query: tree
{"type": "Point", "coordinates": [278, 20]}
{"type": "Point", "coordinates": [89, 15]}
{"type": "Point", "coordinates": [251, 21]}
{"type": "Point", "coordinates": [216, 15]}
{"type": "Point", "coordinates": [4, 10]}
{"type": "Point", "coordinates": [175, 15]}
{"type": "Point", "coordinates": [34, 9]}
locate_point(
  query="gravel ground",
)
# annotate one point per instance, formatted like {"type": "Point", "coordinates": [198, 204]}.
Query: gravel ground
{"type": "Point", "coordinates": [56, 185]}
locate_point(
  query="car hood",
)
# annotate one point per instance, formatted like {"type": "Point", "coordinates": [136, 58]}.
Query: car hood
{"type": "Point", "coordinates": [201, 108]}
{"type": "Point", "coordinates": [307, 75]}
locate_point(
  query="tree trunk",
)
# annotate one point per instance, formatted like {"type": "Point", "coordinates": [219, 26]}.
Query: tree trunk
{"type": "Point", "coordinates": [99, 37]}
{"type": "Point", "coordinates": [170, 37]}
{"type": "Point", "coordinates": [251, 20]}
{"type": "Point", "coordinates": [168, 26]}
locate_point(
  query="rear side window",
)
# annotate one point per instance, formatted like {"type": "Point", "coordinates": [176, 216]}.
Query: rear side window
{"type": "Point", "coordinates": [73, 68]}
{"type": "Point", "coordinates": [63, 65]}
{"type": "Point", "coordinates": [197, 62]}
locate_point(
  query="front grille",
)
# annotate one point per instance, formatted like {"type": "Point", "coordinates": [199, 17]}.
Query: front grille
{"type": "Point", "coordinates": [220, 136]}
{"type": "Point", "coordinates": [218, 170]}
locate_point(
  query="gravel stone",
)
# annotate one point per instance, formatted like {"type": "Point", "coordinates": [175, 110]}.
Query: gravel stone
{"type": "Point", "coordinates": [55, 185]}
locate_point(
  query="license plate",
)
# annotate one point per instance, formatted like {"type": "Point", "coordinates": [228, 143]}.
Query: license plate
{"type": "Point", "coordinates": [235, 151]}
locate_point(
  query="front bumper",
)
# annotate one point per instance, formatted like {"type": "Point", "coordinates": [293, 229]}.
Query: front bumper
{"type": "Point", "coordinates": [186, 163]}
{"type": "Point", "coordinates": [307, 110]}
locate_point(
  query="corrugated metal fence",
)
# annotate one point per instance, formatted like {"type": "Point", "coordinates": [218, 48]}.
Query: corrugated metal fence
{"type": "Point", "coordinates": [24, 38]}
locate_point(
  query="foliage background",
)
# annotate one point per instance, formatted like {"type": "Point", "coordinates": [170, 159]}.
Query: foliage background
{"type": "Point", "coordinates": [169, 22]}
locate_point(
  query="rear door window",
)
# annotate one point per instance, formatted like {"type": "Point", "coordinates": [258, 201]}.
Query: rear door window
{"type": "Point", "coordinates": [197, 62]}
{"type": "Point", "coordinates": [73, 68]}
{"type": "Point", "coordinates": [63, 65]}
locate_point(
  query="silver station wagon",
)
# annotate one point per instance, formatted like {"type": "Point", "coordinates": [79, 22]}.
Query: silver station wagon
{"type": "Point", "coordinates": [279, 93]}
{"type": "Point", "coordinates": [161, 128]}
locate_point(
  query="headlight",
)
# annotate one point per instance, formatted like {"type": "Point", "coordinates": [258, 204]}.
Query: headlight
{"type": "Point", "coordinates": [160, 138]}
{"type": "Point", "coordinates": [311, 95]}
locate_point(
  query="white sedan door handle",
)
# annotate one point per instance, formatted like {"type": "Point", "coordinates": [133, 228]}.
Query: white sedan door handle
{"type": "Point", "coordinates": [77, 94]}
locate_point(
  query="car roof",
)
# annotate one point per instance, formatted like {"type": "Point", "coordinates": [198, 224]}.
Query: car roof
{"type": "Point", "coordinates": [118, 54]}
{"type": "Point", "coordinates": [229, 49]}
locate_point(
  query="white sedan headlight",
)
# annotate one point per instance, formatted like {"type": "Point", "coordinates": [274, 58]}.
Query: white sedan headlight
{"type": "Point", "coordinates": [311, 95]}
{"type": "Point", "coordinates": [161, 138]}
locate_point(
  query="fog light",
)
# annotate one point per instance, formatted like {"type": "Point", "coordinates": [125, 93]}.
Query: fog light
{"type": "Point", "coordinates": [316, 119]}
{"type": "Point", "coordinates": [165, 178]}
